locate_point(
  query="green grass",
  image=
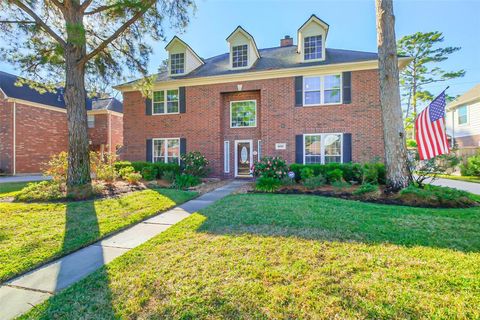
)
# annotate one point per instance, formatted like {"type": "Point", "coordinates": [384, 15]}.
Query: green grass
{"type": "Point", "coordinates": [34, 233]}
{"type": "Point", "coordinates": [10, 189]}
{"type": "Point", "coordinates": [291, 257]}
{"type": "Point", "coordinates": [462, 178]}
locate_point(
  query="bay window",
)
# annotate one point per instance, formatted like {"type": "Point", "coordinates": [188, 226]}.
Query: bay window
{"type": "Point", "coordinates": [322, 148]}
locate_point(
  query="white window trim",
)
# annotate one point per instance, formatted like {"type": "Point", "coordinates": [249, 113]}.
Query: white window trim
{"type": "Point", "coordinates": [322, 90]}
{"type": "Point", "coordinates": [248, 57]}
{"type": "Point", "coordinates": [259, 150]}
{"type": "Point", "coordinates": [468, 116]}
{"type": "Point", "coordinates": [231, 127]}
{"type": "Point", "coordinates": [165, 102]}
{"type": "Point", "coordinates": [236, 156]}
{"type": "Point", "coordinates": [165, 143]}
{"type": "Point", "coordinates": [184, 65]}
{"type": "Point", "coordinates": [226, 156]}
{"type": "Point", "coordinates": [316, 59]}
{"type": "Point", "coordinates": [88, 122]}
{"type": "Point", "coordinates": [322, 147]}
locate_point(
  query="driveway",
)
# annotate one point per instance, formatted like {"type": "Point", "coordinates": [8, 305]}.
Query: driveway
{"type": "Point", "coordinates": [457, 184]}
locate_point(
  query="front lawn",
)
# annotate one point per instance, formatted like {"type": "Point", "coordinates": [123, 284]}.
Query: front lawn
{"type": "Point", "coordinates": [10, 189]}
{"type": "Point", "coordinates": [461, 178]}
{"type": "Point", "coordinates": [33, 233]}
{"type": "Point", "coordinates": [260, 256]}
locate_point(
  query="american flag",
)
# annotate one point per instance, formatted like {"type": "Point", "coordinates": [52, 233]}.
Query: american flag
{"type": "Point", "coordinates": [430, 130]}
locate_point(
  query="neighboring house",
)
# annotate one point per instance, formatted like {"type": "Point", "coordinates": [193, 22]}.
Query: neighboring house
{"type": "Point", "coordinates": [306, 103]}
{"type": "Point", "coordinates": [463, 119]}
{"type": "Point", "coordinates": [33, 126]}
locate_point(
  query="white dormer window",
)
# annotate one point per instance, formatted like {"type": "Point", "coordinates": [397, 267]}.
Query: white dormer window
{"type": "Point", "coordinates": [312, 47]}
{"type": "Point", "coordinates": [177, 63]}
{"type": "Point", "coordinates": [240, 56]}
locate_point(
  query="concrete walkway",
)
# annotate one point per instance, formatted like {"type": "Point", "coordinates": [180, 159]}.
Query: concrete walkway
{"type": "Point", "coordinates": [23, 178]}
{"type": "Point", "coordinates": [19, 295]}
{"type": "Point", "coordinates": [457, 184]}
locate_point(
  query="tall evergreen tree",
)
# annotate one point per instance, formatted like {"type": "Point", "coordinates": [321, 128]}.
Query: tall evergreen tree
{"type": "Point", "coordinates": [398, 175]}
{"type": "Point", "coordinates": [424, 48]}
{"type": "Point", "coordinates": [69, 41]}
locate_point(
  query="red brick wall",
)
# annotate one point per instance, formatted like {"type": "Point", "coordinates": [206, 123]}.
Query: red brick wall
{"type": "Point", "coordinates": [205, 124]}
{"type": "Point", "coordinates": [6, 137]}
{"type": "Point", "coordinates": [98, 135]}
{"type": "Point", "coordinates": [116, 131]}
{"type": "Point", "coordinates": [41, 133]}
{"type": "Point", "coordinates": [470, 141]}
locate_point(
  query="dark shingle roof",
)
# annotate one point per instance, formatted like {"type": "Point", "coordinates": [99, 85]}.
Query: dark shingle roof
{"type": "Point", "coordinates": [271, 59]}
{"type": "Point", "coordinates": [24, 92]}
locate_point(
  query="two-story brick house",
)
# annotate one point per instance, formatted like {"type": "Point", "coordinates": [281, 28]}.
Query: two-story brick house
{"type": "Point", "coordinates": [33, 125]}
{"type": "Point", "coordinates": [306, 103]}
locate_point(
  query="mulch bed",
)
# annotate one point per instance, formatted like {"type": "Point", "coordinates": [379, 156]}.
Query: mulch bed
{"type": "Point", "coordinates": [380, 196]}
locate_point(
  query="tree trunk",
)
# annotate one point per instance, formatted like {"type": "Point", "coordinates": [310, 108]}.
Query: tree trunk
{"type": "Point", "coordinates": [78, 173]}
{"type": "Point", "coordinates": [398, 175]}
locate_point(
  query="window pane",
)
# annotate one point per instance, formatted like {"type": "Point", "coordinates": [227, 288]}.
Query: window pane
{"type": "Point", "coordinates": [240, 56]}
{"type": "Point", "coordinates": [173, 150]}
{"type": "Point", "coordinates": [172, 95]}
{"type": "Point", "coordinates": [158, 96]}
{"type": "Point", "coordinates": [172, 107]}
{"type": "Point", "coordinates": [330, 159]}
{"type": "Point", "coordinates": [313, 145]}
{"type": "Point", "coordinates": [332, 145]}
{"type": "Point", "coordinates": [312, 97]}
{"type": "Point", "coordinates": [158, 151]}
{"type": "Point", "coordinates": [243, 114]}
{"type": "Point", "coordinates": [91, 121]}
{"type": "Point", "coordinates": [312, 47]}
{"type": "Point", "coordinates": [332, 96]}
{"type": "Point", "coordinates": [332, 82]}
{"type": "Point", "coordinates": [158, 107]}
{"type": "Point", "coordinates": [462, 115]}
{"type": "Point", "coordinates": [177, 63]}
{"type": "Point", "coordinates": [311, 84]}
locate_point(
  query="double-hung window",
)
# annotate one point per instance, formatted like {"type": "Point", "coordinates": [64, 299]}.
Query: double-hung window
{"type": "Point", "coordinates": [462, 115]}
{"type": "Point", "coordinates": [165, 101]}
{"type": "Point", "coordinates": [322, 148]}
{"type": "Point", "coordinates": [166, 150]}
{"type": "Point", "coordinates": [243, 114]}
{"type": "Point", "coordinates": [91, 121]}
{"type": "Point", "coordinates": [240, 56]}
{"type": "Point", "coordinates": [312, 48]}
{"type": "Point", "coordinates": [322, 90]}
{"type": "Point", "coordinates": [177, 63]}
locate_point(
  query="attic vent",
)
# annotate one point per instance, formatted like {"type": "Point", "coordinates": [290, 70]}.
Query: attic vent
{"type": "Point", "coordinates": [287, 41]}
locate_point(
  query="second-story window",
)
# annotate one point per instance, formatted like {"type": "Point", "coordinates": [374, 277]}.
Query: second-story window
{"type": "Point", "coordinates": [320, 90]}
{"type": "Point", "coordinates": [91, 121]}
{"type": "Point", "coordinates": [177, 63]}
{"type": "Point", "coordinates": [462, 115]}
{"type": "Point", "coordinates": [312, 47]}
{"type": "Point", "coordinates": [240, 56]}
{"type": "Point", "coordinates": [165, 101]}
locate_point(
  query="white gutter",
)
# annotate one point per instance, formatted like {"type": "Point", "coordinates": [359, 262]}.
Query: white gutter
{"type": "Point", "coordinates": [14, 138]}
{"type": "Point", "coordinates": [109, 134]}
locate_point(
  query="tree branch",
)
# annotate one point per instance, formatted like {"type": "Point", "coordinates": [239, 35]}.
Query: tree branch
{"type": "Point", "coordinates": [85, 5]}
{"type": "Point", "coordinates": [117, 33]}
{"type": "Point", "coordinates": [100, 9]}
{"type": "Point", "coordinates": [40, 22]}
{"type": "Point", "coordinates": [19, 22]}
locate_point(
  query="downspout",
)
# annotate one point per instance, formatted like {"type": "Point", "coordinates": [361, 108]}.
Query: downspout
{"type": "Point", "coordinates": [14, 138]}
{"type": "Point", "coordinates": [109, 133]}
{"type": "Point", "coordinates": [453, 128]}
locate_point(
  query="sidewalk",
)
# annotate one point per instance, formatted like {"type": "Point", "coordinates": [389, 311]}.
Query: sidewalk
{"type": "Point", "coordinates": [23, 178]}
{"type": "Point", "coordinates": [20, 294]}
{"type": "Point", "coordinates": [457, 184]}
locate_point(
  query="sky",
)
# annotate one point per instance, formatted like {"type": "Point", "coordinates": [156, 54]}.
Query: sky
{"type": "Point", "coordinates": [352, 26]}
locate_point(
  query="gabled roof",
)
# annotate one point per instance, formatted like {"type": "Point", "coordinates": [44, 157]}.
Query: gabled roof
{"type": "Point", "coordinates": [53, 99]}
{"type": "Point", "coordinates": [174, 39]}
{"type": "Point", "coordinates": [316, 19]}
{"type": "Point", "coordinates": [246, 34]}
{"type": "Point", "coordinates": [469, 96]}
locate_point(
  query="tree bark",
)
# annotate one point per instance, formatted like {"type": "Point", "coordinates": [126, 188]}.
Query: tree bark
{"type": "Point", "coordinates": [398, 175]}
{"type": "Point", "coordinates": [78, 173]}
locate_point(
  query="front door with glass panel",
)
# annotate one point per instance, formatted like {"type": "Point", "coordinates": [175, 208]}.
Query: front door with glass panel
{"type": "Point", "coordinates": [243, 158]}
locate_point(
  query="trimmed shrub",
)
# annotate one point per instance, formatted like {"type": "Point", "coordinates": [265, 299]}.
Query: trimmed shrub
{"type": "Point", "coordinates": [314, 182]}
{"type": "Point", "coordinates": [106, 172]}
{"type": "Point", "coordinates": [125, 171]}
{"type": "Point", "coordinates": [40, 191]}
{"type": "Point", "coordinates": [334, 175]}
{"type": "Point", "coordinates": [149, 173]}
{"type": "Point", "coordinates": [161, 167]}
{"type": "Point", "coordinates": [195, 164]}
{"type": "Point", "coordinates": [340, 184]}
{"type": "Point", "coordinates": [271, 167]}
{"type": "Point", "coordinates": [472, 167]}
{"type": "Point", "coordinates": [133, 177]}
{"type": "Point", "coordinates": [306, 173]}
{"type": "Point", "coordinates": [366, 188]}
{"type": "Point", "coordinates": [185, 181]}
{"type": "Point", "coordinates": [268, 184]}
{"type": "Point", "coordinates": [169, 176]}
{"type": "Point", "coordinates": [119, 165]}
{"type": "Point", "coordinates": [431, 195]}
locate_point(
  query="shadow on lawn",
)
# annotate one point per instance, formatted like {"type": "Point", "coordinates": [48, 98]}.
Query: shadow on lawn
{"type": "Point", "coordinates": [81, 226]}
{"type": "Point", "coordinates": [328, 219]}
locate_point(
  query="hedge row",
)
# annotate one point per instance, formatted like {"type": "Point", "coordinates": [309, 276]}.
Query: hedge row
{"type": "Point", "coordinates": [370, 172]}
{"type": "Point", "coordinates": [139, 165]}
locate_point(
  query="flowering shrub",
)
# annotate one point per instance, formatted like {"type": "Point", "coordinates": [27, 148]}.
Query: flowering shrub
{"type": "Point", "coordinates": [133, 177]}
{"type": "Point", "coordinates": [271, 167]}
{"type": "Point", "coordinates": [57, 167]}
{"type": "Point", "coordinates": [195, 164]}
